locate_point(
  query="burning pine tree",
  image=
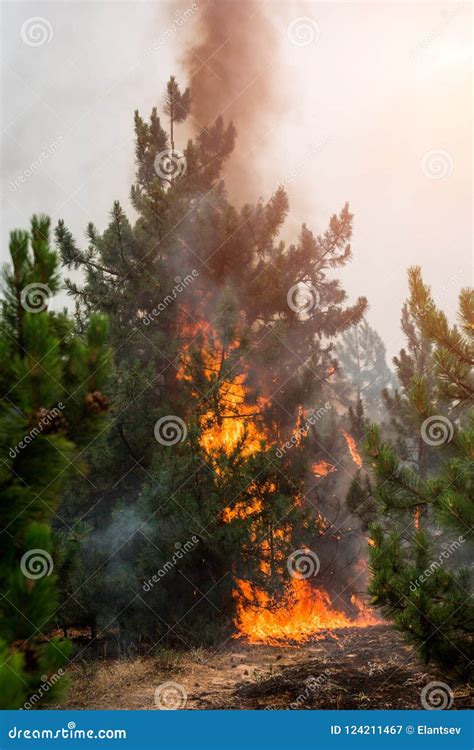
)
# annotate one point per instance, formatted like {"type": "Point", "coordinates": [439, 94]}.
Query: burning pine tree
{"type": "Point", "coordinates": [223, 339]}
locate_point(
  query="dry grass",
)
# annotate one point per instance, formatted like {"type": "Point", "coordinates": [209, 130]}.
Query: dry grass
{"type": "Point", "coordinates": [363, 668]}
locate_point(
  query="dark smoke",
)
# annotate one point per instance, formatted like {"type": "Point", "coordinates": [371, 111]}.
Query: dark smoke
{"type": "Point", "coordinates": [231, 69]}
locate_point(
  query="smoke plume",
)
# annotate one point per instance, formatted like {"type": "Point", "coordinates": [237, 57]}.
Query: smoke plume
{"type": "Point", "coordinates": [231, 70]}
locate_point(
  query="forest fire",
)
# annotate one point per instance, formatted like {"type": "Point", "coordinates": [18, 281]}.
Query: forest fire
{"type": "Point", "coordinates": [242, 510]}
{"type": "Point", "coordinates": [351, 444]}
{"type": "Point", "coordinates": [237, 423]}
{"type": "Point", "coordinates": [302, 612]}
{"type": "Point", "coordinates": [323, 468]}
{"type": "Point", "coordinates": [306, 613]}
{"type": "Point", "coordinates": [246, 476]}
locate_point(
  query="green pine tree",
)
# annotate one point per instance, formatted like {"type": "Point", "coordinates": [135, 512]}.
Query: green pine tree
{"type": "Point", "coordinates": [363, 368]}
{"type": "Point", "coordinates": [425, 508]}
{"type": "Point", "coordinates": [51, 406]}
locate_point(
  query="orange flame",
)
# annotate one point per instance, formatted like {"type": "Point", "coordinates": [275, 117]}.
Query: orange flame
{"type": "Point", "coordinates": [300, 430]}
{"type": "Point", "coordinates": [237, 422]}
{"type": "Point", "coordinates": [229, 423]}
{"type": "Point", "coordinates": [417, 518]}
{"type": "Point", "coordinates": [302, 615]}
{"type": "Point", "coordinates": [323, 468]}
{"type": "Point", "coordinates": [242, 510]}
{"type": "Point", "coordinates": [351, 444]}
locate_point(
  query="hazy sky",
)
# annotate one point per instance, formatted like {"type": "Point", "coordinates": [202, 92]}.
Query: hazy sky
{"type": "Point", "coordinates": [375, 109]}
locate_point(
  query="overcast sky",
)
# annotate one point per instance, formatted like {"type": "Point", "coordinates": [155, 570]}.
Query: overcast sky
{"type": "Point", "coordinates": [376, 111]}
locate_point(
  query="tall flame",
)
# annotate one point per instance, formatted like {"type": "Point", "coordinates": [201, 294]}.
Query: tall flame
{"type": "Point", "coordinates": [304, 611]}
{"type": "Point", "coordinates": [417, 518]}
{"type": "Point", "coordinates": [351, 444]}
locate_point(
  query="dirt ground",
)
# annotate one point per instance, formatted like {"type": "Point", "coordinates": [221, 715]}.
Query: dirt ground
{"type": "Point", "coordinates": [369, 668]}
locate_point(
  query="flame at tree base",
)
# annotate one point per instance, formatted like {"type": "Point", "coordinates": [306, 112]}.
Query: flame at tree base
{"type": "Point", "coordinates": [302, 615]}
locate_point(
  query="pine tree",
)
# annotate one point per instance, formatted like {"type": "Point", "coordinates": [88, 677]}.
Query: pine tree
{"type": "Point", "coordinates": [214, 322]}
{"type": "Point", "coordinates": [177, 106]}
{"type": "Point", "coordinates": [363, 368]}
{"type": "Point", "coordinates": [420, 578]}
{"type": "Point", "coordinates": [359, 499]}
{"type": "Point", "coordinates": [414, 368]}
{"type": "Point", "coordinates": [51, 406]}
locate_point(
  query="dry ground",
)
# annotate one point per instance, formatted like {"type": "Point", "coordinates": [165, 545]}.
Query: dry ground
{"type": "Point", "coordinates": [369, 668]}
